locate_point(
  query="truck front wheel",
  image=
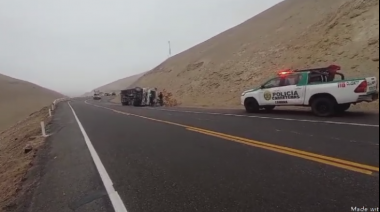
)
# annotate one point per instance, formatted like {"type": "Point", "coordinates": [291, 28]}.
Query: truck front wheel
{"type": "Point", "coordinates": [269, 108]}
{"type": "Point", "coordinates": [251, 105]}
{"type": "Point", "coordinates": [323, 106]}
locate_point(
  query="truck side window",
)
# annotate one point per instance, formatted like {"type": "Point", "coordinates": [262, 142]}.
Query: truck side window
{"type": "Point", "coordinates": [276, 82]}
{"type": "Point", "coordinates": [292, 80]}
{"type": "Point", "coordinates": [315, 78]}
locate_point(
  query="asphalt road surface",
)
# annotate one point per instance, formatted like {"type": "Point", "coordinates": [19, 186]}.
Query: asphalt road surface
{"type": "Point", "coordinates": [163, 160]}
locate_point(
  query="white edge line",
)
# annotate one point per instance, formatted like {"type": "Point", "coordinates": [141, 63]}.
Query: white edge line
{"type": "Point", "coordinates": [116, 201]}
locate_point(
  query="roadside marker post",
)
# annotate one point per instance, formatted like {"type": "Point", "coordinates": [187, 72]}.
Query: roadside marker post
{"type": "Point", "coordinates": [43, 129]}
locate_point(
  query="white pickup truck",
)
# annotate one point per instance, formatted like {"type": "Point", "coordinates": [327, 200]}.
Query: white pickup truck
{"type": "Point", "coordinates": [315, 88]}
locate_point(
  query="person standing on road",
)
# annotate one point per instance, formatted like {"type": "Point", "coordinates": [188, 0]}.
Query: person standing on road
{"type": "Point", "coordinates": [160, 97]}
{"type": "Point", "coordinates": [152, 96]}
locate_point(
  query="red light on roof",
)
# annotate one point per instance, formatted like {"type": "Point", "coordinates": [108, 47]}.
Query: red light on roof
{"type": "Point", "coordinates": [285, 72]}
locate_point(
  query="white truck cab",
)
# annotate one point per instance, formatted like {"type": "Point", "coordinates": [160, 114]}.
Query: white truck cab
{"type": "Point", "coordinates": [315, 88]}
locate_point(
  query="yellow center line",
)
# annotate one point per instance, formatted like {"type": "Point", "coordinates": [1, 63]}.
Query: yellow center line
{"type": "Point", "coordinates": [315, 159]}
{"type": "Point", "coordinates": [344, 164]}
{"type": "Point", "coordinates": [351, 168]}
{"type": "Point", "coordinates": [349, 163]}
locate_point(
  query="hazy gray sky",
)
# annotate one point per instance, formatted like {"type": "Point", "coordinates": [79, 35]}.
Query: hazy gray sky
{"type": "Point", "coordinates": [74, 46]}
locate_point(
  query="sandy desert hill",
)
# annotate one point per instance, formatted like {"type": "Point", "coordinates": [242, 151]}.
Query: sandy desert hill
{"type": "Point", "coordinates": [18, 99]}
{"type": "Point", "coordinates": [292, 34]}
{"type": "Point", "coordinates": [119, 84]}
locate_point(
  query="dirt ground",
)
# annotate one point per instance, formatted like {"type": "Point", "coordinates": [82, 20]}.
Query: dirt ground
{"type": "Point", "coordinates": [20, 129]}
{"type": "Point", "coordinates": [14, 161]}
{"type": "Point", "coordinates": [292, 34]}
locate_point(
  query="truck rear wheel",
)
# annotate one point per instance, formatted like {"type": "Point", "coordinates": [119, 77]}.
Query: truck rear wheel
{"type": "Point", "coordinates": [342, 108]}
{"type": "Point", "coordinates": [323, 106]}
{"type": "Point", "coordinates": [251, 105]}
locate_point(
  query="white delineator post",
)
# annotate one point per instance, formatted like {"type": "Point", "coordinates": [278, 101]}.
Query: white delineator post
{"type": "Point", "coordinates": [49, 112]}
{"type": "Point", "coordinates": [43, 129]}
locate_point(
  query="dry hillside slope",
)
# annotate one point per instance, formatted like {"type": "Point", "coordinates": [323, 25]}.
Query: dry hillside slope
{"type": "Point", "coordinates": [120, 84]}
{"type": "Point", "coordinates": [18, 99]}
{"type": "Point", "coordinates": [292, 34]}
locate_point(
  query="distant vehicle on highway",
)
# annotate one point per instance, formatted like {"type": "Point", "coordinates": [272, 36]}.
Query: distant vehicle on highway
{"type": "Point", "coordinates": [315, 88]}
{"type": "Point", "coordinates": [97, 95]}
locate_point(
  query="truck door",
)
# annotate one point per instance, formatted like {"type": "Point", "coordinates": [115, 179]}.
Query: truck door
{"type": "Point", "coordinates": [290, 91]}
{"type": "Point", "coordinates": [267, 91]}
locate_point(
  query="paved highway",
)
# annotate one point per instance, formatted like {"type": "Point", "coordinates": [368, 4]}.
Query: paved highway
{"type": "Point", "coordinates": [165, 159]}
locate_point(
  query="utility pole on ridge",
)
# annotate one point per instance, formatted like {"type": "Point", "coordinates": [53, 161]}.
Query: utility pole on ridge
{"type": "Point", "coordinates": [170, 49]}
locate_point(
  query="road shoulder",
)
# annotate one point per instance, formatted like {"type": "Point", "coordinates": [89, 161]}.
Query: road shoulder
{"type": "Point", "coordinates": [66, 175]}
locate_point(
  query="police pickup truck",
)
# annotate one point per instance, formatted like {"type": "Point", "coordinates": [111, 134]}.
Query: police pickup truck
{"type": "Point", "coordinates": [315, 88]}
